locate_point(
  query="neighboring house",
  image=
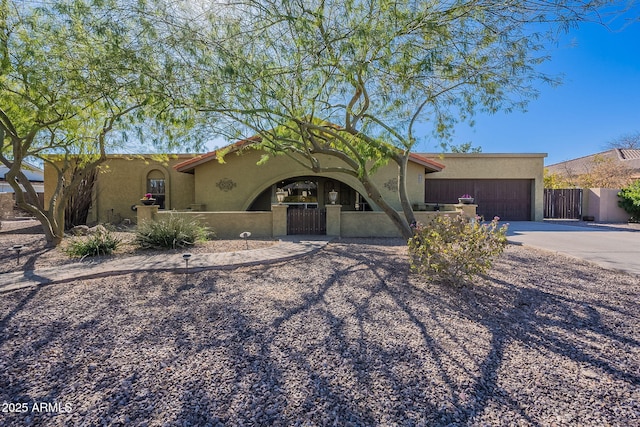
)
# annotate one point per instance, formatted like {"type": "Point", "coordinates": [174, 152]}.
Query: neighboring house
{"type": "Point", "coordinates": [34, 174]}
{"type": "Point", "coordinates": [507, 185]}
{"type": "Point", "coordinates": [7, 199]}
{"type": "Point", "coordinates": [617, 159]}
{"type": "Point", "coordinates": [600, 176]}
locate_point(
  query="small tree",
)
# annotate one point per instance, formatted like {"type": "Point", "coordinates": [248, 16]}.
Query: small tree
{"type": "Point", "coordinates": [629, 141]}
{"type": "Point", "coordinates": [362, 80]}
{"type": "Point", "coordinates": [73, 74]}
{"type": "Point", "coordinates": [604, 172]}
{"type": "Point", "coordinates": [554, 181]}
{"type": "Point", "coordinates": [79, 203]}
{"type": "Point", "coordinates": [630, 200]}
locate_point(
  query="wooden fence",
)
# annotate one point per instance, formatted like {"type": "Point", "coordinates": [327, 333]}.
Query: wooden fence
{"type": "Point", "coordinates": [563, 203]}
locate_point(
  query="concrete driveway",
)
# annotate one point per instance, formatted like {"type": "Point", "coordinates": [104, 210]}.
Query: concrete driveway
{"type": "Point", "coordinates": [610, 247]}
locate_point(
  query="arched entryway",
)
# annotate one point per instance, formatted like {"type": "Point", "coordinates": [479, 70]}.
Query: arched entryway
{"type": "Point", "coordinates": [317, 194]}
{"type": "Point", "coordinates": [306, 197]}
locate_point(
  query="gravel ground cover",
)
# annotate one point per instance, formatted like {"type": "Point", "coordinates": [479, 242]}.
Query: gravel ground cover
{"type": "Point", "coordinates": [36, 254]}
{"type": "Point", "coordinates": [344, 337]}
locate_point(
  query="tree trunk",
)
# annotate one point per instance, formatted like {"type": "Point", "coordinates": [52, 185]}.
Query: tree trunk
{"type": "Point", "coordinates": [52, 220]}
{"type": "Point", "coordinates": [396, 218]}
{"type": "Point", "coordinates": [53, 232]}
{"type": "Point", "coordinates": [407, 209]}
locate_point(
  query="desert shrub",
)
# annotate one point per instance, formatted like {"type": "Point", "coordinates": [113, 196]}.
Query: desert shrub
{"type": "Point", "coordinates": [452, 249]}
{"type": "Point", "coordinates": [630, 200]}
{"type": "Point", "coordinates": [103, 242]}
{"type": "Point", "coordinates": [171, 232]}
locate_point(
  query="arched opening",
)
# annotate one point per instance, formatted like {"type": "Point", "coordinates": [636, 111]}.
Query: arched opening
{"type": "Point", "coordinates": [310, 192]}
{"type": "Point", "coordinates": [156, 186]}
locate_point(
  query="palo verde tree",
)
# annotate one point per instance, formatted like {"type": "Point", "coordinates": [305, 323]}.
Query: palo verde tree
{"type": "Point", "coordinates": [359, 79]}
{"type": "Point", "coordinates": [73, 75]}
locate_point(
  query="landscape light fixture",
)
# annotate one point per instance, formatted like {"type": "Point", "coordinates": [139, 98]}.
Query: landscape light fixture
{"type": "Point", "coordinates": [17, 248]}
{"type": "Point", "coordinates": [245, 235]}
{"type": "Point", "coordinates": [186, 258]}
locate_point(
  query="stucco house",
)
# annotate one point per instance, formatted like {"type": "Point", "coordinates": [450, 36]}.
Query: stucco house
{"type": "Point", "coordinates": [239, 190]}
{"type": "Point", "coordinates": [612, 170]}
{"type": "Point", "coordinates": [628, 159]}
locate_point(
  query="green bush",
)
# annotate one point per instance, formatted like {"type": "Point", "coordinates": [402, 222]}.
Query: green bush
{"type": "Point", "coordinates": [452, 249]}
{"type": "Point", "coordinates": [630, 200]}
{"type": "Point", "coordinates": [103, 242]}
{"type": "Point", "coordinates": [171, 232]}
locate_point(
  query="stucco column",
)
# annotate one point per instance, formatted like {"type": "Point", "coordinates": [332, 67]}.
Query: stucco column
{"type": "Point", "coordinates": [279, 213]}
{"type": "Point", "coordinates": [467, 210]}
{"type": "Point", "coordinates": [146, 213]}
{"type": "Point", "coordinates": [333, 219]}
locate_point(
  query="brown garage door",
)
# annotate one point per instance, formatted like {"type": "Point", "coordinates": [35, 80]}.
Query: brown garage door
{"type": "Point", "coordinates": [510, 199]}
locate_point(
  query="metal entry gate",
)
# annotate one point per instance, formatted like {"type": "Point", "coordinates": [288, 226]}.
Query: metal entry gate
{"type": "Point", "coordinates": [306, 221]}
{"type": "Point", "coordinates": [563, 203]}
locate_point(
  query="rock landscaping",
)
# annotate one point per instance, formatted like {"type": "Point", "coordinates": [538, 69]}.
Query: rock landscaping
{"type": "Point", "coordinates": [344, 337]}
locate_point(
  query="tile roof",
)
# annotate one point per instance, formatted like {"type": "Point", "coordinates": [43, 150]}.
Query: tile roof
{"type": "Point", "coordinates": [189, 165]}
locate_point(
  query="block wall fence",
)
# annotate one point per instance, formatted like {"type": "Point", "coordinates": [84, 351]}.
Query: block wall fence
{"type": "Point", "coordinates": [272, 224]}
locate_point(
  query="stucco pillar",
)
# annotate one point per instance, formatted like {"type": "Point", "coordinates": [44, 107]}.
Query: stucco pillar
{"type": "Point", "coordinates": [333, 220]}
{"type": "Point", "coordinates": [279, 213]}
{"type": "Point", "coordinates": [146, 213]}
{"type": "Point", "coordinates": [467, 210]}
{"type": "Point", "coordinates": [6, 205]}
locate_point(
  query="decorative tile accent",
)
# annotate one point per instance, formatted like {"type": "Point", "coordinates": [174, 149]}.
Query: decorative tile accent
{"type": "Point", "coordinates": [392, 185]}
{"type": "Point", "coordinates": [225, 184]}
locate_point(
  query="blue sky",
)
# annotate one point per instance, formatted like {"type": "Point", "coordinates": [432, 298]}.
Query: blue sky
{"type": "Point", "coordinates": [598, 101]}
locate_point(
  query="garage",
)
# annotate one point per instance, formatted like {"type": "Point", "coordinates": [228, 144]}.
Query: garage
{"type": "Point", "coordinates": [510, 199]}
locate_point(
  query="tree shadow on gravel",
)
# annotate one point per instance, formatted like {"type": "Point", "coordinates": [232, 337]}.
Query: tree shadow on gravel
{"type": "Point", "coordinates": [533, 312]}
{"type": "Point", "coordinates": [344, 337]}
{"type": "Point", "coordinates": [33, 248]}
{"type": "Point", "coordinates": [19, 369]}
{"type": "Point", "coordinates": [34, 229]}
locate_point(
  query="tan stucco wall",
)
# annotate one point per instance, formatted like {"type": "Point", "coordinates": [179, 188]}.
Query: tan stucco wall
{"type": "Point", "coordinates": [378, 224]}
{"type": "Point", "coordinates": [497, 166]}
{"type": "Point", "coordinates": [229, 225]}
{"type": "Point", "coordinates": [122, 181]}
{"type": "Point", "coordinates": [246, 180]}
